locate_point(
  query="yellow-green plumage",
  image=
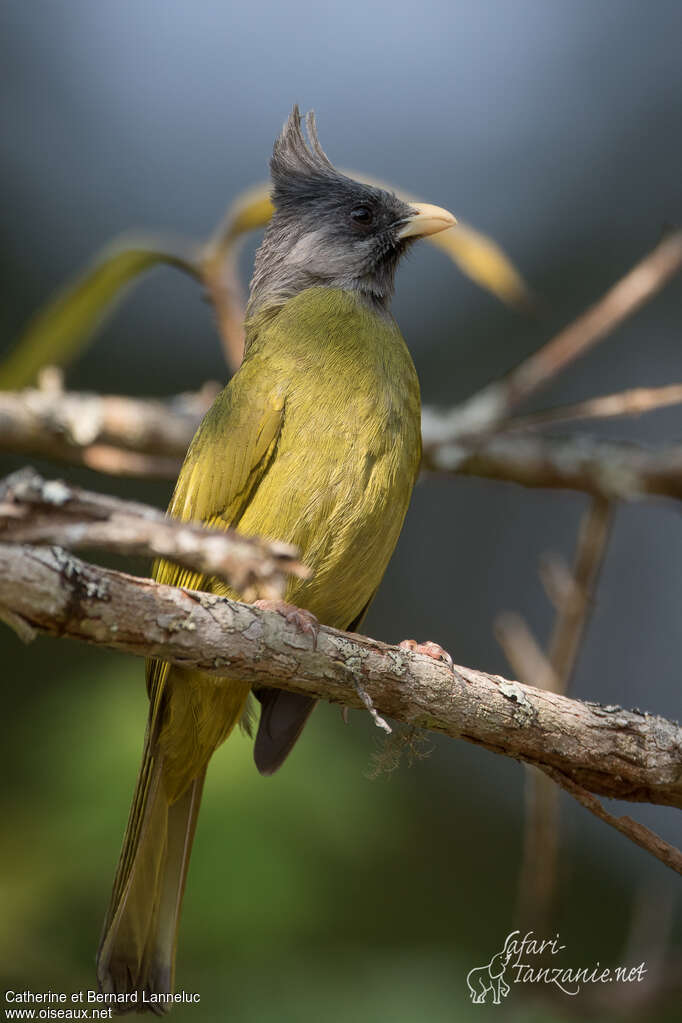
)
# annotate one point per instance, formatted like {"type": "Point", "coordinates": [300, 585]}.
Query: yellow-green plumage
{"type": "Point", "coordinates": [316, 442]}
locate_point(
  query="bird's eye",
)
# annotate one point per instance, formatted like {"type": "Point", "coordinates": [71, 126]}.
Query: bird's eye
{"type": "Point", "coordinates": [362, 216]}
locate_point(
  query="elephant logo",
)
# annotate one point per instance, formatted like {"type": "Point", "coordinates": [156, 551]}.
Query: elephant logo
{"type": "Point", "coordinates": [490, 978]}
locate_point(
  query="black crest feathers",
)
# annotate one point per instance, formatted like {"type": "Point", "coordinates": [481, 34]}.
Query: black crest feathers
{"type": "Point", "coordinates": [294, 157]}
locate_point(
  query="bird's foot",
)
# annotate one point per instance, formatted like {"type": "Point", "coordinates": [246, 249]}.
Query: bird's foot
{"type": "Point", "coordinates": [303, 620]}
{"type": "Point", "coordinates": [430, 649]}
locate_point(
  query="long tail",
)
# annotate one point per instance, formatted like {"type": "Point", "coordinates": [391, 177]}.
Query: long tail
{"type": "Point", "coordinates": [136, 956]}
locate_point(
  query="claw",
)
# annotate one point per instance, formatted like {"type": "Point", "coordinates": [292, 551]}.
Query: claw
{"type": "Point", "coordinates": [430, 649]}
{"type": "Point", "coordinates": [303, 620]}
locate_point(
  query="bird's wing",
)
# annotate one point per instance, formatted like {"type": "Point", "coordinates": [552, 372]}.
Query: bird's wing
{"type": "Point", "coordinates": [227, 459]}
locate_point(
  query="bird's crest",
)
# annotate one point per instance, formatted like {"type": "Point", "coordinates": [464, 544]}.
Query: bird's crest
{"type": "Point", "coordinates": [293, 156]}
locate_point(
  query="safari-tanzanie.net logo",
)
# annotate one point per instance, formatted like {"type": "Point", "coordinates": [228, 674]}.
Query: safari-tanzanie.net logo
{"type": "Point", "coordinates": [530, 960]}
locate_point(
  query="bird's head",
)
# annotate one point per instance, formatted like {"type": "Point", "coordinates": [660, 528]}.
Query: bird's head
{"type": "Point", "coordinates": [329, 230]}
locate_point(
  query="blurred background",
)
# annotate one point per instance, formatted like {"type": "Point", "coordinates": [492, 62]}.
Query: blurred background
{"type": "Point", "coordinates": [554, 128]}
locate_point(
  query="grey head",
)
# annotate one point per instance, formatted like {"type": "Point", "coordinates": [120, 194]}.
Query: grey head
{"type": "Point", "coordinates": [329, 230]}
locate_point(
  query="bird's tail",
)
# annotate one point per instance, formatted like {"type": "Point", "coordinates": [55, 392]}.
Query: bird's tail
{"type": "Point", "coordinates": [136, 957]}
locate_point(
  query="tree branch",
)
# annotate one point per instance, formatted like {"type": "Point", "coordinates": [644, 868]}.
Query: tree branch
{"type": "Point", "coordinates": [488, 408]}
{"type": "Point", "coordinates": [33, 510]}
{"type": "Point", "coordinates": [572, 592]}
{"type": "Point", "coordinates": [633, 402]}
{"type": "Point", "coordinates": [77, 428]}
{"type": "Point", "coordinates": [221, 279]}
{"type": "Point", "coordinates": [606, 750]}
{"type": "Point", "coordinates": [149, 438]}
{"type": "Point", "coordinates": [625, 471]}
{"type": "Point", "coordinates": [638, 833]}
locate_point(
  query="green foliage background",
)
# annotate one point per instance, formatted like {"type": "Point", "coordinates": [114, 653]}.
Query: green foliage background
{"type": "Point", "coordinates": [320, 894]}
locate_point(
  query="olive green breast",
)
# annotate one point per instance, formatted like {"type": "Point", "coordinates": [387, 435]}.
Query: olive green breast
{"type": "Point", "coordinates": [340, 478]}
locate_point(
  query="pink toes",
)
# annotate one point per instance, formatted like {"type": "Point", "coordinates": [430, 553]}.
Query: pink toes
{"type": "Point", "coordinates": [430, 649]}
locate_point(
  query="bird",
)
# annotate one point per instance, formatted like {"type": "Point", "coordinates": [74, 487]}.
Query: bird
{"type": "Point", "coordinates": [315, 441]}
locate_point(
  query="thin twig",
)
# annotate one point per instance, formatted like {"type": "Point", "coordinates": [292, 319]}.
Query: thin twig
{"type": "Point", "coordinates": [525, 655]}
{"type": "Point", "coordinates": [484, 411]}
{"type": "Point", "coordinates": [625, 403]}
{"type": "Point", "coordinates": [636, 832]}
{"type": "Point", "coordinates": [571, 621]}
{"type": "Point", "coordinates": [118, 462]}
{"type": "Point", "coordinates": [557, 580]}
{"type": "Point", "coordinates": [542, 837]}
{"type": "Point", "coordinates": [638, 286]}
{"type": "Point", "coordinates": [538, 872]}
{"type": "Point", "coordinates": [221, 278]}
{"type": "Point", "coordinates": [540, 834]}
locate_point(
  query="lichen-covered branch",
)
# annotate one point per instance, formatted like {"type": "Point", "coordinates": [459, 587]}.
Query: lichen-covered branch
{"type": "Point", "coordinates": [111, 433]}
{"type": "Point", "coordinates": [609, 470]}
{"type": "Point", "coordinates": [38, 511]}
{"type": "Point", "coordinates": [606, 750]}
{"type": "Point", "coordinates": [149, 438]}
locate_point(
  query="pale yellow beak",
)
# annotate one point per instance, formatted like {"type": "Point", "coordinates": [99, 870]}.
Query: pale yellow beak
{"type": "Point", "coordinates": [426, 219]}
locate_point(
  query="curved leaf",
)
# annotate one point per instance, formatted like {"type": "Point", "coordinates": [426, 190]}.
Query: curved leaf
{"type": "Point", "coordinates": [62, 328]}
{"type": "Point", "coordinates": [249, 211]}
{"type": "Point", "coordinates": [482, 259]}
{"type": "Point", "coordinates": [66, 325]}
{"type": "Point", "coordinates": [477, 255]}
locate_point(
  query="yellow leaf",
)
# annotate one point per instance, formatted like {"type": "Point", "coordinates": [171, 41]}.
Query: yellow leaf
{"type": "Point", "coordinates": [482, 259]}
{"type": "Point", "coordinates": [249, 211]}
{"type": "Point", "coordinates": [477, 255]}
{"type": "Point", "coordinates": [65, 326]}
